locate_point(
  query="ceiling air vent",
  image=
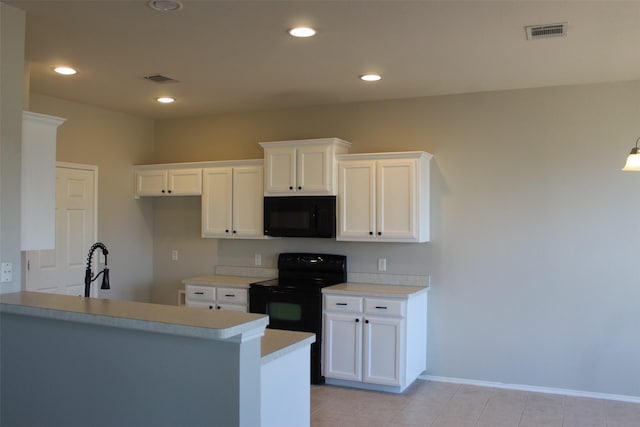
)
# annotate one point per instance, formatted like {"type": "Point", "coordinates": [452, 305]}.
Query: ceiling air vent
{"type": "Point", "coordinates": [545, 31]}
{"type": "Point", "coordinates": [159, 78]}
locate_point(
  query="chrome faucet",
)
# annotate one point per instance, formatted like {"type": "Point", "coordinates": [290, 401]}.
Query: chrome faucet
{"type": "Point", "coordinates": [88, 274]}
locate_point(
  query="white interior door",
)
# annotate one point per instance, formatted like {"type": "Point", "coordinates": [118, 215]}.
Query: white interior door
{"type": "Point", "coordinates": [61, 270]}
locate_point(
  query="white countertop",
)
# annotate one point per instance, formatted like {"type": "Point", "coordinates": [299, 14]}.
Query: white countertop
{"type": "Point", "coordinates": [228, 281]}
{"type": "Point", "coordinates": [276, 343]}
{"type": "Point", "coordinates": [374, 289]}
{"type": "Point", "coordinates": [167, 319]}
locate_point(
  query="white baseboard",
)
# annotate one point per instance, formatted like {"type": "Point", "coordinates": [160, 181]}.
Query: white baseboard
{"type": "Point", "coordinates": [536, 389]}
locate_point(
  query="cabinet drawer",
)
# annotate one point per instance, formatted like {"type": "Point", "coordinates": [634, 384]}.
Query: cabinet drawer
{"type": "Point", "coordinates": [386, 307]}
{"type": "Point", "coordinates": [232, 295]}
{"type": "Point", "coordinates": [343, 303]}
{"type": "Point", "coordinates": [201, 293]}
{"type": "Point", "coordinates": [201, 304]}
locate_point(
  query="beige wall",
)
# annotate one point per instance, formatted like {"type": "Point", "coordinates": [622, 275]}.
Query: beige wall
{"type": "Point", "coordinates": [535, 232]}
{"type": "Point", "coordinates": [12, 39]}
{"type": "Point", "coordinates": [534, 227]}
{"type": "Point", "coordinates": [178, 228]}
{"type": "Point", "coordinates": [114, 142]}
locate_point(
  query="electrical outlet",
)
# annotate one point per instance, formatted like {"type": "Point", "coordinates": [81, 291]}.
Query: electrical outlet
{"type": "Point", "coordinates": [174, 255]}
{"type": "Point", "coordinates": [6, 272]}
{"type": "Point", "coordinates": [382, 264]}
{"type": "Point", "coordinates": [258, 259]}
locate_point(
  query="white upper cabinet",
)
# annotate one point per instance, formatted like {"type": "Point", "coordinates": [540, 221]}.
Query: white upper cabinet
{"type": "Point", "coordinates": [356, 202]}
{"type": "Point", "coordinates": [303, 167]}
{"type": "Point", "coordinates": [232, 202]}
{"type": "Point", "coordinates": [38, 181]}
{"type": "Point", "coordinates": [384, 197]}
{"type": "Point", "coordinates": [168, 182]}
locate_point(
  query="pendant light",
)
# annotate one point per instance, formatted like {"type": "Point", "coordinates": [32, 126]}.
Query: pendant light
{"type": "Point", "coordinates": [633, 161]}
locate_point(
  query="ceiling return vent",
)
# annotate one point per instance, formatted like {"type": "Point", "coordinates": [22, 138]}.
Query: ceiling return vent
{"type": "Point", "coordinates": [535, 32]}
{"type": "Point", "coordinates": [159, 78]}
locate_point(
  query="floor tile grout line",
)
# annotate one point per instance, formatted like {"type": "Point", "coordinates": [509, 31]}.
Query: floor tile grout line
{"type": "Point", "coordinates": [484, 407]}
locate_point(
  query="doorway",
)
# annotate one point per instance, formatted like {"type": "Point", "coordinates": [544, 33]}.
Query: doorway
{"type": "Point", "coordinates": [61, 270]}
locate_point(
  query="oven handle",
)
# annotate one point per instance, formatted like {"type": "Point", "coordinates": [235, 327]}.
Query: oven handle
{"type": "Point", "coordinates": [291, 292]}
{"type": "Point", "coordinates": [280, 292]}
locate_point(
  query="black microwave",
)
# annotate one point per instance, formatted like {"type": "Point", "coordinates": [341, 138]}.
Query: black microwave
{"type": "Point", "coordinates": [300, 216]}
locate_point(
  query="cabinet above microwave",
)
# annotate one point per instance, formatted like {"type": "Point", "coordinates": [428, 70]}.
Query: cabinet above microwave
{"type": "Point", "coordinates": [302, 167]}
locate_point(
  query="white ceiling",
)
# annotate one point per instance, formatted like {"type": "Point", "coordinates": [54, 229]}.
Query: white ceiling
{"type": "Point", "coordinates": [236, 55]}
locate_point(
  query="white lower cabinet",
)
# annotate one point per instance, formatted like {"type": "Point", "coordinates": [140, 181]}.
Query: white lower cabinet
{"type": "Point", "coordinates": [343, 346]}
{"type": "Point", "coordinates": [216, 298]}
{"type": "Point", "coordinates": [383, 350]}
{"type": "Point", "coordinates": [374, 342]}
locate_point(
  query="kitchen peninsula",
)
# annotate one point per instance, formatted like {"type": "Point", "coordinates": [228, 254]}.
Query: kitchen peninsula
{"type": "Point", "coordinates": [85, 361]}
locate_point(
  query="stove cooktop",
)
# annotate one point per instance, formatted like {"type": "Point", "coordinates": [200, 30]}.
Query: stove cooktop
{"type": "Point", "coordinates": [295, 283]}
{"type": "Point", "coordinates": [307, 272]}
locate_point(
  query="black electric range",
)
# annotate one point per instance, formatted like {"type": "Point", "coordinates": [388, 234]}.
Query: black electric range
{"type": "Point", "coordinates": [293, 301]}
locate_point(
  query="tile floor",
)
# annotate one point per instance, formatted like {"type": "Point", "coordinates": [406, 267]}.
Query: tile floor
{"type": "Point", "coordinates": [435, 404]}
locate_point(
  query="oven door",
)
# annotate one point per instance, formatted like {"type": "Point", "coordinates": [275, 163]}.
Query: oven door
{"type": "Point", "coordinates": [293, 310]}
{"type": "Point", "coordinates": [287, 308]}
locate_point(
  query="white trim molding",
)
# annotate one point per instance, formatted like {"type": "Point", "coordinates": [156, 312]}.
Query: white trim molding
{"type": "Point", "coordinates": [534, 389]}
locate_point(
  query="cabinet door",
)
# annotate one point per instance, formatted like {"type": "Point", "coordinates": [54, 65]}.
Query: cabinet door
{"type": "Point", "coordinates": [247, 201]}
{"type": "Point", "coordinates": [356, 200]}
{"type": "Point", "coordinates": [383, 347]}
{"type": "Point", "coordinates": [343, 346]}
{"type": "Point", "coordinates": [184, 182]}
{"type": "Point", "coordinates": [151, 182]}
{"type": "Point", "coordinates": [217, 196]}
{"type": "Point", "coordinates": [280, 170]}
{"type": "Point", "coordinates": [314, 170]}
{"type": "Point", "coordinates": [232, 307]}
{"type": "Point", "coordinates": [201, 304]}
{"type": "Point", "coordinates": [397, 210]}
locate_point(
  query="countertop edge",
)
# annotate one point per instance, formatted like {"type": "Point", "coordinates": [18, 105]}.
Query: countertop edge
{"type": "Point", "coordinates": [391, 291]}
{"type": "Point", "coordinates": [242, 282]}
{"type": "Point", "coordinates": [250, 328]}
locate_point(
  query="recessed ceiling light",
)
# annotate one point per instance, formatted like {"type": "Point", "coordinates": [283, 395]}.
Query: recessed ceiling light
{"type": "Point", "coordinates": [165, 5]}
{"type": "Point", "coordinates": [302, 32]}
{"type": "Point", "coordinates": [165, 99]}
{"type": "Point", "coordinates": [370, 77]}
{"type": "Point", "coordinates": [66, 71]}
